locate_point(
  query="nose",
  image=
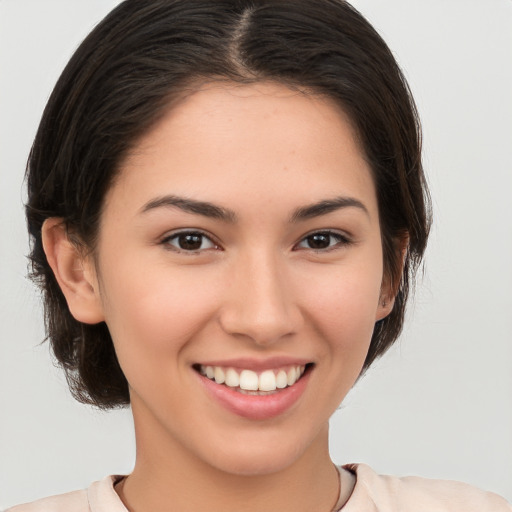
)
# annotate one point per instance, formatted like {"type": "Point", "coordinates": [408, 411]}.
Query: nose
{"type": "Point", "coordinates": [260, 303]}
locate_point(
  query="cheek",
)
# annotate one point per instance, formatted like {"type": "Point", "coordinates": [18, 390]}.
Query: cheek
{"type": "Point", "coordinates": [343, 304]}
{"type": "Point", "coordinates": [156, 312]}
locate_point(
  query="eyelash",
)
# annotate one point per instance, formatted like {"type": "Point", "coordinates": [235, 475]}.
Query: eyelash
{"type": "Point", "coordinates": [342, 241]}
{"type": "Point", "coordinates": [193, 233]}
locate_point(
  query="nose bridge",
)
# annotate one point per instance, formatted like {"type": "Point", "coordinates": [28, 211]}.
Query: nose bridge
{"type": "Point", "coordinates": [260, 303]}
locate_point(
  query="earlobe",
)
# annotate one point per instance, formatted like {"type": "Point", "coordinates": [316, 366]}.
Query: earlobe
{"type": "Point", "coordinates": [391, 284]}
{"type": "Point", "coordinates": [74, 273]}
{"type": "Point", "coordinates": [385, 307]}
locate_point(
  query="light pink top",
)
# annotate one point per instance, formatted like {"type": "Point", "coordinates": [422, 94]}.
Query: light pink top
{"type": "Point", "coordinates": [372, 493]}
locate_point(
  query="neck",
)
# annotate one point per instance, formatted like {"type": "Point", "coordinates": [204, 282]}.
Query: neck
{"type": "Point", "coordinates": [168, 477]}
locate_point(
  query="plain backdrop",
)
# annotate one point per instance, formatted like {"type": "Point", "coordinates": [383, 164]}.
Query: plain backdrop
{"type": "Point", "coordinates": [439, 404]}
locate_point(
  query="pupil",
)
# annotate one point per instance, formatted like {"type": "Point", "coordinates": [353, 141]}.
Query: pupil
{"type": "Point", "coordinates": [319, 241]}
{"type": "Point", "coordinates": [190, 242]}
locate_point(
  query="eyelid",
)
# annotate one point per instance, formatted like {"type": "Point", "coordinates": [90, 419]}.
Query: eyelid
{"type": "Point", "coordinates": [343, 236]}
{"type": "Point", "coordinates": [344, 239]}
{"type": "Point", "coordinates": [164, 240]}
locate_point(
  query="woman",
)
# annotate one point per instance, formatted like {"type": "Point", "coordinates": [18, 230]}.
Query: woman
{"type": "Point", "coordinates": [227, 203]}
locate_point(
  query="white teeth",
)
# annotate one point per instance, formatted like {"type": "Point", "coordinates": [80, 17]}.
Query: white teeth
{"type": "Point", "coordinates": [232, 378]}
{"type": "Point", "coordinates": [292, 376]}
{"type": "Point", "coordinates": [249, 382]}
{"type": "Point", "coordinates": [267, 381]}
{"type": "Point", "coordinates": [281, 379]}
{"type": "Point", "coordinates": [219, 375]}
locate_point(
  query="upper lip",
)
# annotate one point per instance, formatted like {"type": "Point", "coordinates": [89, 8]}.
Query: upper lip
{"type": "Point", "coordinates": [257, 365]}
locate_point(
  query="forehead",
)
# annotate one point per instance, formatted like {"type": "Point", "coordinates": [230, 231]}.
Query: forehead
{"type": "Point", "coordinates": [229, 141]}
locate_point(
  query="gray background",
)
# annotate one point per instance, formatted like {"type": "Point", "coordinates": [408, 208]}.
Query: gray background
{"type": "Point", "coordinates": [440, 403]}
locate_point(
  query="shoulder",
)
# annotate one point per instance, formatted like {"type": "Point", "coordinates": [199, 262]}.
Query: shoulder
{"type": "Point", "coordinates": [390, 494]}
{"type": "Point", "coordinates": [70, 502]}
{"type": "Point", "coordinates": [99, 497]}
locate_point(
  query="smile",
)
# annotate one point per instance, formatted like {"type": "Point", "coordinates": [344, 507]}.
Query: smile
{"type": "Point", "coordinates": [251, 382]}
{"type": "Point", "coordinates": [260, 393]}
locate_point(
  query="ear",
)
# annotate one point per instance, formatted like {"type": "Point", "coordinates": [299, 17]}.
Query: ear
{"type": "Point", "coordinates": [74, 272]}
{"type": "Point", "coordinates": [390, 284]}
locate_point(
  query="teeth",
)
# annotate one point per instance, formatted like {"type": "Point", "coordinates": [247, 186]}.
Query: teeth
{"type": "Point", "coordinates": [281, 379]}
{"type": "Point", "coordinates": [219, 375]}
{"type": "Point", "coordinates": [267, 381]}
{"type": "Point", "coordinates": [249, 382]}
{"type": "Point", "coordinates": [232, 378]}
{"type": "Point", "coordinates": [292, 375]}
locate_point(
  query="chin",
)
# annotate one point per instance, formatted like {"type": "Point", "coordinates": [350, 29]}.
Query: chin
{"type": "Point", "coordinates": [260, 464]}
{"type": "Point", "coordinates": [261, 455]}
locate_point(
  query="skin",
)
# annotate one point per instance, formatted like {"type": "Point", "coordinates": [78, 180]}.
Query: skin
{"type": "Point", "coordinates": [256, 289]}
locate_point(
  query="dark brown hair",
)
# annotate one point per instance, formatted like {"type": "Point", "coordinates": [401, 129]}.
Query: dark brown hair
{"type": "Point", "coordinates": [144, 55]}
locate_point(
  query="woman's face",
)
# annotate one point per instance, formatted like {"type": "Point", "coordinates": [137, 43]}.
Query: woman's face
{"type": "Point", "coordinates": [241, 240]}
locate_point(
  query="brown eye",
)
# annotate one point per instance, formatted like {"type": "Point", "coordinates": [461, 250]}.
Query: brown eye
{"type": "Point", "coordinates": [322, 240]}
{"type": "Point", "coordinates": [189, 241]}
{"type": "Point", "coordinates": [319, 241]}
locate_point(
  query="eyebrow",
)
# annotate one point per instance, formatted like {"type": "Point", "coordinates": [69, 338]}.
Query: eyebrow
{"type": "Point", "coordinates": [213, 211]}
{"type": "Point", "coordinates": [327, 206]}
{"type": "Point", "coordinates": [191, 206]}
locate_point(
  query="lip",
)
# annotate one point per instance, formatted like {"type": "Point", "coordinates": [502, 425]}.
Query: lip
{"type": "Point", "coordinates": [256, 407]}
{"type": "Point", "coordinates": [257, 365]}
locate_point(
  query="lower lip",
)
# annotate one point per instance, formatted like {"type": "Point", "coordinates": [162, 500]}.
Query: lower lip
{"type": "Point", "coordinates": [256, 407]}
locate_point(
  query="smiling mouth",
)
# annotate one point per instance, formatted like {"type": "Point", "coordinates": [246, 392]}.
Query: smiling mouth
{"type": "Point", "coordinates": [249, 382]}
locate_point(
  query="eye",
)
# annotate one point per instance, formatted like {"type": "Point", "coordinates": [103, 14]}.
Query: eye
{"type": "Point", "coordinates": [189, 241]}
{"type": "Point", "coordinates": [323, 240]}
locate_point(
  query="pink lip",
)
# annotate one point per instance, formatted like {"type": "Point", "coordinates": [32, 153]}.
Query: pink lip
{"type": "Point", "coordinates": [255, 407]}
{"type": "Point", "coordinates": [257, 365]}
